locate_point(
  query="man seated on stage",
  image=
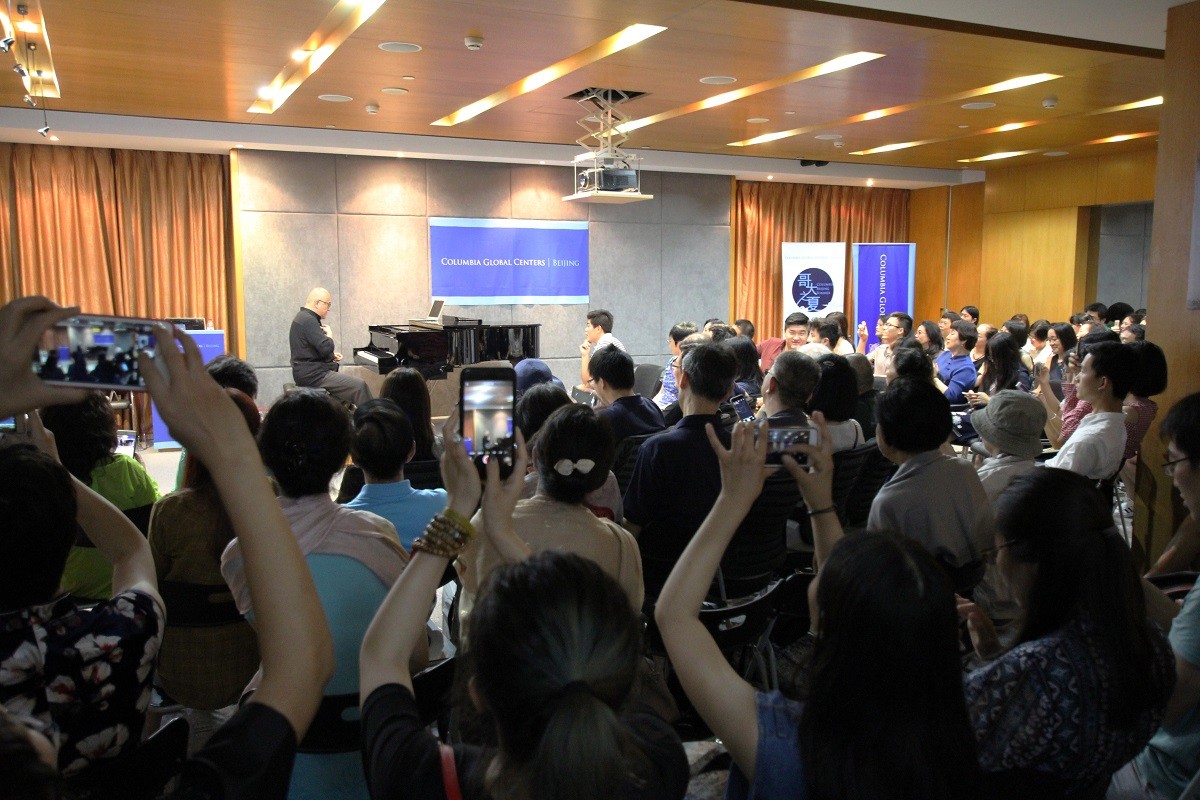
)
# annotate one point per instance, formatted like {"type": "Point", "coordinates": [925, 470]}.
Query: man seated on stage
{"type": "Point", "coordinates": [795, 336]}
{"type": "Point", "coordinates": [597, 333]}
{"type": "Point", "coordinates": [314, 361]}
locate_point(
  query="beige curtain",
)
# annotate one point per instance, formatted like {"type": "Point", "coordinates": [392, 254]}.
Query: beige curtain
{"type": "Point", "coordinates": [126, 232]}
{"type": "Point", "coordinates": [766, 215]}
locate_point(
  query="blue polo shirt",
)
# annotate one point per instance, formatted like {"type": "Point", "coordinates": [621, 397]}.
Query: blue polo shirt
{"type": "Point", "coordinates": [675, 483]}
{"type": "Point", "coordinates": [633, 416]}
{"type": "Point", "coordinates": [407, 508]}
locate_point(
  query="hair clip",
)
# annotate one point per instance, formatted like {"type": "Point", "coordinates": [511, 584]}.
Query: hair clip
{"type": "Point", "coordinates": [565, 466]}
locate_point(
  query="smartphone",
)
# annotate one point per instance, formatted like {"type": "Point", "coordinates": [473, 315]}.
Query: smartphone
{"type": "Point", "coordinates": [485, 401]}
{"type": "Point", "coordinates": [95, 351]}
{"type": "Point", "coordinates": [781, 438]}
{"type": "Point", "coordinates": [743, 405]}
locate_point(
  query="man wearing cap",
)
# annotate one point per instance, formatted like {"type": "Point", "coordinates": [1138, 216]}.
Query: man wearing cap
{"type": "Point", "coordinates": [1011, 429]}
{"type": "Point", "coordinates": [532, 371]}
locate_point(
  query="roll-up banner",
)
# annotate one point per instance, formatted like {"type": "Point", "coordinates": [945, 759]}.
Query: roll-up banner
{"type": "Point", "coordinates": [211, 344]}
{"type": "Point", "coordinates": [814, 277]}
{"type": "Point", "coordinates": [500, 261]}
{"type": "Point", "coordinates": [883, 282]}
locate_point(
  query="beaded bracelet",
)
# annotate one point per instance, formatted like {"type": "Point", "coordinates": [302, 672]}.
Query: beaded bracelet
{"type": "Point", "coordinates": [445, 536]}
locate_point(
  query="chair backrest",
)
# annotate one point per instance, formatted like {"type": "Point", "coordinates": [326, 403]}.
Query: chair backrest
{"type": "Point", "coordinates": [424, 474]}
{"type": "Point", "coordinates": [626, 458]}
{"type": "Point", "coordinates": [1175, 585]}
{"type": "Point", "coordinates": [352, 483]}
{"type": "Point", "coordinates": [872, 475]}
{"type": "Point", "coordinates": [742, 623]}
{"type": "Point", "coordinates": [432, 689]}
{"type": "Point", "coordinates": [645, 379]}
{"type": "Point", "coordinates": [195, 605]}
{"type": "Point", "coordinates": [846, 466]}
{"type": "Point", "coordinates": [758, 549]}
{"type": "Point", "coordinates": [791, 608]}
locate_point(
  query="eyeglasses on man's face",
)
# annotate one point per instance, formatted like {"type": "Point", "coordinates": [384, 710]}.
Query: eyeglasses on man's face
{"type": "Point", "coordinates": [1168, 467]}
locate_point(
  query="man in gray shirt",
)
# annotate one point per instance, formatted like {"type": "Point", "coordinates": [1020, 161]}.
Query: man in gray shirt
{"type": "Point", "coordinates": [933, 498]}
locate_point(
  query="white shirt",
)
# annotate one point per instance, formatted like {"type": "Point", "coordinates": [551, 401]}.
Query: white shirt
{"type": "Point", "coordinates": [1095, 448]}
{"type": "Point", "coordinates": [606, 340]}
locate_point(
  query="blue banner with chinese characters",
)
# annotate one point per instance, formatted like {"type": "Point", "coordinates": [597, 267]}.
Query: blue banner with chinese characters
{"type": "Point", "coordinates": [500, 261]}
{"type": "Point", "coordinates": [883, 282]}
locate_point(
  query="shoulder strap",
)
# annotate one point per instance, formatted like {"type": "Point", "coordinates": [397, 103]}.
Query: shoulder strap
{"type": "Point", "coordinates": [449, 773]}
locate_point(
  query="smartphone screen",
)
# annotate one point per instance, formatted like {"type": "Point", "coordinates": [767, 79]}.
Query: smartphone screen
{"type": "Point", "coordinates": [779, 439]}
{"type": "Point", "coordinates": [743, 405]}
{"type": "Point", "coordinates": [486, 403]}
{"type": "Point", "coordinates": [93, 351]}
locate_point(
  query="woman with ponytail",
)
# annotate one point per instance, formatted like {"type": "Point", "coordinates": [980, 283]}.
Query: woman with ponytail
{"type": "Point", "coordinates": [552, 657]}
{"type": "Point", "coordinates": [1088, 679]}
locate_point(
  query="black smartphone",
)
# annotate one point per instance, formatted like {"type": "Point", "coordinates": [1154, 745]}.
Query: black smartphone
{"type": "Point", "coordinates": [744, 406]}
{"type": "Point", "coordinates": [781, 438]}
{"type": "Point", "coordinates": [485, 402]}
{"type": "Point", "coordinates": [95, 351]}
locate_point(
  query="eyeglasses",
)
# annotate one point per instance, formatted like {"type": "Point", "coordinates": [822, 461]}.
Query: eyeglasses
{"type": "Point", "coordinates": [327, 303]}
{"type": "Point", "coordinates": [1168, 467]}
{"type": "Point", "coordinates": [890, 325]}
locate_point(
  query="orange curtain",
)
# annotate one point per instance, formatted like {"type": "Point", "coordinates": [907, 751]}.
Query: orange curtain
{"type": "Point", "coordinates": [766, 215]}
{"type": "Point", "coordinates": [129, 232]}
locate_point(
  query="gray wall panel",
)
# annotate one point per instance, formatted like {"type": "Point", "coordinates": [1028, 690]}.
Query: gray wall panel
{"type": "Point", "coordinates": [393, 186]}
{"type": "Point", "coordinates": [695, 277]}
{"type": "Point", "coordinates": [1124, 258]}
{"type": "Point", "coordinates": [537, 193]}
{"type": "Point", "coordinates": [646, 212]}
{"type": "Point", "coordinates": [562, 328]}
{"type": "Point", "coordinates": [270, 383]}
{"type": "Point", "coordinates": [384, 267]}
{"type": "Point", "coordinates": [626, 275]}
{"type": "Point", "coordinates": [271, 181]}
{"type": "Point", "coordinates": [695, 199]}
{"type": "Point", "coordinates": [284, 256]}
{"type": "Point", "coordinates": [647, 273]}
{"type": "Point", "coordinates": [469, 189]}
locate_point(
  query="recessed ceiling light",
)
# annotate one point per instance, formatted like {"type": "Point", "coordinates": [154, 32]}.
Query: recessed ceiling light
{"type": "Point", "coordinates": [828, 137]}
{"type": "Point", "coordinates": [394, 90]}
{"type": "Point", "coordinates": [543, 163]}
{"type": "Point", "coordinates": [770, 177]}
{"type": "Point", "coordinates": [1056, 153]}
{"type": "Point", "coordinates": [331, 126]}
{"type": "Point", "coordinates": [335, 98]}
{"type": "Point", "coordinates": [757, 120]}
{"type": "Point", "coordinates": [979, 105]}
{"type": "Point", "coordinates": [408, 77]}
{"type": "Point", "coordinates": [54, 137]}
{"type": "Point", "coordinates": [964, 126]}
{"type": "Point", "coordinates": [399, 47]}
{"type": "Point", "coordinates": [790, 113]}
{"type": "Point", "coordinates": [870, 181]}
{"type": "Point", "coordinates": [27, 26]}
{"type": "Point", "coordinates": [718, 80]}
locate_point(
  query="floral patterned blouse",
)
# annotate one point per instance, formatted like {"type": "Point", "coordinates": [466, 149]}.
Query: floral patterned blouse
{"type": "Point", "coordinates": [86, 671]}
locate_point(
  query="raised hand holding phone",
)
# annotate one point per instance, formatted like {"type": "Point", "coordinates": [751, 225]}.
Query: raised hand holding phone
{"type": "Point", "coordinates": [22, 323]}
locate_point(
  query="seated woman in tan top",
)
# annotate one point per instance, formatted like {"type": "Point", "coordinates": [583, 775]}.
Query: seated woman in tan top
{"type": "Point", "coordinates": [573, 452]}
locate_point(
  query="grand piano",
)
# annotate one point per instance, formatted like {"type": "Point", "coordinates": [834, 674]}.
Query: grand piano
{"type": "Point", "coordinates": [437, 352]}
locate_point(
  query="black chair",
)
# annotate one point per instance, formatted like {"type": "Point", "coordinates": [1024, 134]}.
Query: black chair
{"type": "Point", "coordinates": [626, 458]}
{"type": "Point", "coordinates": [874, 472]}
{"type": "Point", "coordinates": [1175, 585]}
{"type": "Point", "coordinates": [791, 608]}
{"type": "Point", "coordinates": [424, 474]}
{"type": "Point", "coordinates": [141, 774]}
{"type": "Point", "coordinates": [758, 550]}
{"type": "Point", "coordinates": [432, 688]}
{"type": "Point", "coordinates": [196, 605]}
{"type": "Point", "coordinates": [646, 379]}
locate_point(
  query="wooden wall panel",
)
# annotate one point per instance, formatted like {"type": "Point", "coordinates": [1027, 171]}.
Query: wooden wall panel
{"type": "Point", "coordinates": [1004, 190]}
{"type": "Point", "coordinates": [966, 245]}
{"type": "Point", "coordinates": [1171, 324]}
{"type": "Point", "coordinates": [1031, 261]}
{"type": "Point", "coordinates": [1061, 184]}
{"type": "Point", "coordinates": [928, 220]}
{"type": "Point", "coordinates": [1126, 179]}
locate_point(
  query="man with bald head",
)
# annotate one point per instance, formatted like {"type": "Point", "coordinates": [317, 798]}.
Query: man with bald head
{"type": "Point", "coordinates": [314, 361]}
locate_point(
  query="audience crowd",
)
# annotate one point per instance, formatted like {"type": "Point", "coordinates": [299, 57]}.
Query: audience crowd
{"type": "Point", "coordinates": [941, 502]}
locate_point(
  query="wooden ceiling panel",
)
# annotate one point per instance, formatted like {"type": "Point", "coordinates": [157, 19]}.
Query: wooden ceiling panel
{"type": "Point", "coordinates": [207, 60]}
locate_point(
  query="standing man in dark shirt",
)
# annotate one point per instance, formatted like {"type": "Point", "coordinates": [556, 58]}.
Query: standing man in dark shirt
{"type": "Point", "coordinates": [314, 361]}
{"type": "Point", "coordinates": [612, 381]}
{"type": "Point", "coordinates": [675, 479]}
